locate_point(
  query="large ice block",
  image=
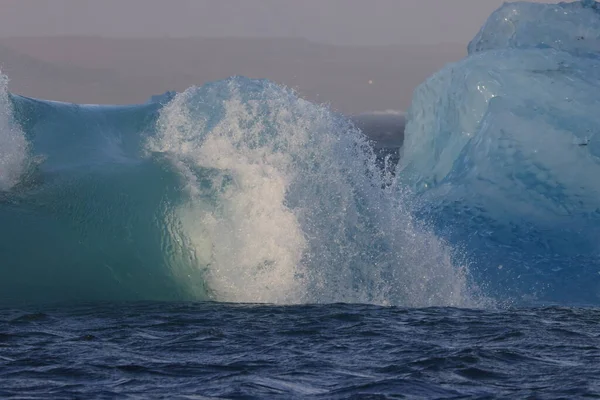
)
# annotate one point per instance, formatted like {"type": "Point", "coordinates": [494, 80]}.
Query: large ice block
{"type": "Point", "coordinates": [571, 27]}
{"type": "Point", "coordinates": [503, 151]}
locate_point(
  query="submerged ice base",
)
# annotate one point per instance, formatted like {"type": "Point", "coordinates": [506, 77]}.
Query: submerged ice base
{"type": "Point", "coordinates": [503, 151]}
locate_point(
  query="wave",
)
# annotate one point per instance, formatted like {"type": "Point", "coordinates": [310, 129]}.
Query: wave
{"type": "Point", "coordinates": [234, 191]}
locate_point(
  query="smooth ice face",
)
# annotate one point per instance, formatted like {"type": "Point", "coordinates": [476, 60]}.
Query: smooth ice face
{"type": "Point", "coordinates": [572, 27]}
{"type": "Point", "coordinates": [503, 151]}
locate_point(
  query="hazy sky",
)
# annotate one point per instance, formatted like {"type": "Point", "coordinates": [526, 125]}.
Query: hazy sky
{"type": "Point", "coordinates": [332, 21]}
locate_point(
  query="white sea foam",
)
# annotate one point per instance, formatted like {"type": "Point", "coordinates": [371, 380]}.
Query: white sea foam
{"type": "Point", "coordinates": [13, 145]}
{"type": "Point", "coordinates": [286, 204]}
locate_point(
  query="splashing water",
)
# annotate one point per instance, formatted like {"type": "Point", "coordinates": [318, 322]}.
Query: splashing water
{"type": "Point", "coordinates": [286, 204]}
{"type": "Point", "coordinates": [13, 146]}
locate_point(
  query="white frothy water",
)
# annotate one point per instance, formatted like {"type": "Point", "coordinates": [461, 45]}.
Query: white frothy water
{"type": "Point", "coordinates": [13, 145]}
{"type": "Point", "coordinates": [287, 205]}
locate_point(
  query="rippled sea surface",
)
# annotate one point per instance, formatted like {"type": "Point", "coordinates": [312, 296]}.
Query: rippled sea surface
{"type": "Point", "coordinates": [211, 350]}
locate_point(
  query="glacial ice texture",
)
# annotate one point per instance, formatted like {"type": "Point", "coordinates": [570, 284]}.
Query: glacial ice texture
{"type": "Point", "coordinates": [502, 150]}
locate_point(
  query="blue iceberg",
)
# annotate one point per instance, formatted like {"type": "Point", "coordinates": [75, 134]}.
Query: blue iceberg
{"type": "Point", "coordinates": [502, 151]}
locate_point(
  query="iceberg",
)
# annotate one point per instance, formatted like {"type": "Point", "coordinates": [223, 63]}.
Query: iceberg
{"type": "Point", "coordinates": [570, 27]}
{"type": "Point", "coordinates": [503, 153]}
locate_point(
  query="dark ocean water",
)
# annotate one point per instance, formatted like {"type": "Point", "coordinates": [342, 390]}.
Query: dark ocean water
{"type": "Point", "coordinates": [213, 350]}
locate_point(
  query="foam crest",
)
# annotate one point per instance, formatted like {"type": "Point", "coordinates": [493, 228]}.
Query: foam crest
{"type": "Point", "coordinates": [13, 145]}
{"type": "Point", "coordinates": [286, 204]}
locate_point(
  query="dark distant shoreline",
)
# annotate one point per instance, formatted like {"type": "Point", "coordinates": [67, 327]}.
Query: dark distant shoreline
{"type": "Point", "coordinates": [85, 69]}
